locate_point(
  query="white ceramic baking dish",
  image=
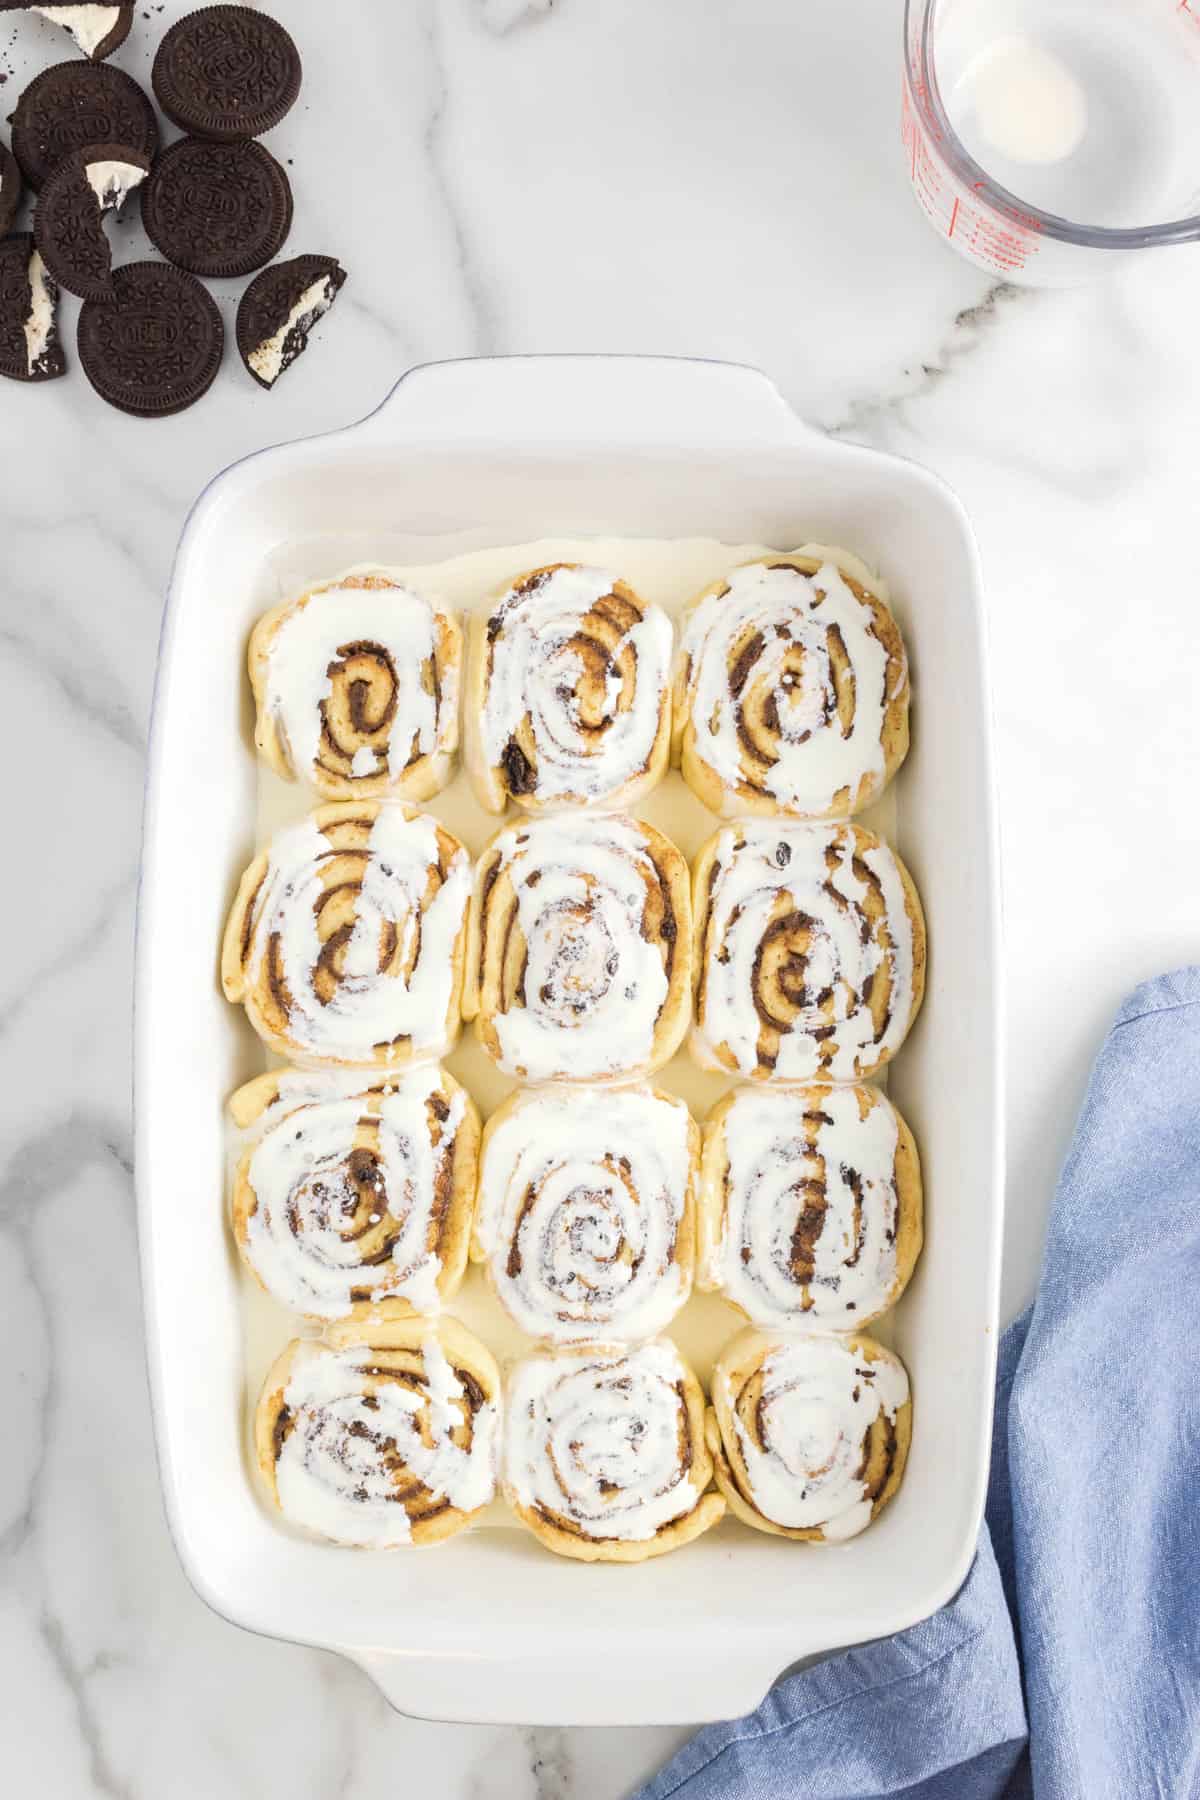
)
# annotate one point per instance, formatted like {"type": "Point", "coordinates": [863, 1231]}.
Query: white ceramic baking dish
{"type": "Point", "coordinates": [496, 452]}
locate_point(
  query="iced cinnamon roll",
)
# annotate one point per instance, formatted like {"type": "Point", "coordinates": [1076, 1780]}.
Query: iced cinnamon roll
{"type": "Point", "coordinates": [585, 1217]}
{"type": "Point", "coordinates": [579, 957]}
{"type": "Point", "coordinates": [810, 1206]}
{"type": "Point", "coordinates": [791, 689]}
{"type": "Point", "coordinates": [355, 1189]}
{"type": "Point", "coordinates": [345, 941]}
{"type": "Point", "coordinates": [356, 686]}
{"type": "Point", "coordinates": [809, 1435]}
{"type": "Point", "coordinates": [385, 1435]}
{"type": "Point", "coordinates": [810, 952]}
{"type": "Point", "coordinates": [568, 693]}
{"type": "Point", "coordinates": [604, 1453]}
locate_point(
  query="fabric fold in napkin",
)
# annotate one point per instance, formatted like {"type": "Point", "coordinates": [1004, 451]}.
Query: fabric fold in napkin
{"type": "Point", "coordinates": [1067, 1667]}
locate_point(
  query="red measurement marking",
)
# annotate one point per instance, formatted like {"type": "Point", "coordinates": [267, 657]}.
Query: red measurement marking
{"type": "Point", "coordinates": [953, 217]}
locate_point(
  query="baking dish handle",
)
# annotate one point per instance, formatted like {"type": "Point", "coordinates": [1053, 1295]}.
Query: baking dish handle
{"type": "Point", "coordinates": [658, 401]}
{"type": "Point", "coordinates": [543, 1690]}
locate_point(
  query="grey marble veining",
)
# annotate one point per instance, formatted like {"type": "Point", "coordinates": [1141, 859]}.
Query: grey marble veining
{"type": "Point", "coordinates": [515, 175]}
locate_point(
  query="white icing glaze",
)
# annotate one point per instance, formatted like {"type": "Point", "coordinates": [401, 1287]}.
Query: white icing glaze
{"type": "Point", "coordinates": [793, 612]}
{"type": "Point", "coordinates": [307, 1200]}
{"type": "Point", "coordinates": [773, 1172]}
{"type": "Point", "coordinates": [39, 326]}
{"type": "Point", "coordinates": [595, 1437]}
{"type": "Point", "coordinates": [308, 1087]}
{"type": "Point", "coordinates": [312, 640]}
{"type": "Point", "coordinates": [368, 1007]}
{"type": "Point", "coordinates": [594, 987]}
{"type": "Point", "coordinates": [778, 858]}
{"type": "Point", "coordinates": [818, 1402]}
{"type": "Point", "coordinates": [267, 358]}
{"type": "Point", "coordinates": [333, 1479]}
{"type": "Point", "coordinates": [111, 181]}
{"type": "Point", "coordinates": [598, 1182]}
{"type": "Point", "coordinates": [88, 25]}
{"type": "Point", "coordinates": [535, 671]}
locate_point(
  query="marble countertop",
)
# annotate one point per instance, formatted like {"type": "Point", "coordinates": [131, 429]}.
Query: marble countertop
{"type": "Point", "coordinates": [515, 175]}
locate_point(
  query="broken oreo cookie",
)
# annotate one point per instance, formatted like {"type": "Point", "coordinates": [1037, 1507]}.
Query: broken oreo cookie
{"type": "Point", "coordinates": [280, 308]}
{"type": "Point", "coordinates": [156, 349]}
{"type": "Point", "coordinates": [10, 188]}
{"type": "Point", "coordinates": [226, 72]}
{"type": "Point", "coordinates": [29, 346]}
{"type": "Point", "coordinates": [68, 225]}
{"type": "Point", "coordinates": [76, 104]}
{"type": "Point", "coordinates": [217, 209]}
{"type": "Point", "coordinates": [98, 30]}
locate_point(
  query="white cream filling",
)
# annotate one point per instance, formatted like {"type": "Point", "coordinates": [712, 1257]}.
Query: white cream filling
{"type": "Point", "coordinates": [39, 326]}
{"type": "Point", "coordinates": [88, 25]}
{"type": "Point", "coordinates": [313, 304]}
{"type": "Point", "coordinates": [112, 181]}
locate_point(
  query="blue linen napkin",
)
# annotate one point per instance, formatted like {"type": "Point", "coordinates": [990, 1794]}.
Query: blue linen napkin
{"type": "Point", "coordinates": [1067, 1667]}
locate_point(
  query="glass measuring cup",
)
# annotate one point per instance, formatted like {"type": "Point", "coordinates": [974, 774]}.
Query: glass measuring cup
{"type": "Point", "coordinates": [1048, 139]}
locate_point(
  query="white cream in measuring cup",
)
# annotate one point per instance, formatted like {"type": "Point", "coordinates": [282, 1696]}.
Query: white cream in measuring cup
{"type": "Point", "coordinates": [1041, 131]}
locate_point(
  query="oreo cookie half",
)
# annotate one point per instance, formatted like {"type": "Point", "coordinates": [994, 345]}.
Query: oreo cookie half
{"type": "Point", "coordinates": [217, 209]}
{"type": "Point", "coordinates": [68, 225]}
{"type": "Point", "coordinates": [11, 187]}
{"type": "Point", "coordinates": [226, 72]}
{"type": "Point", "coordinates": [98, 30]}
{"type": "Point", "coordinates": [156, 349]}
{"type": "Point", "coordinates": [76, 104]}
{"type": "Point", "coordinates": [280, 308]}
{"type": "Point", "coordinates": [29, 346]}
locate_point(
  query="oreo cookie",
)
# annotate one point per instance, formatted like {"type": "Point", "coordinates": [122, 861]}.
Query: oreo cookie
{"type": "Point", "coordinates": [226, 72]}
{"type": "Point", "coordinates": [10, 188]}
{"type": "Point", "coordinates": [280, 308]}
{"type": "Point", "coordinates": [156, 349]}
{"type": "Point", "coordinates": [68, 227]}
{"type": "Point", "coordinates": [76, 104]}
{"type": "Point", "coordinates": [217, 209]}
{"type": "Point", "coordinates": [29, 346]}
{"type": "Point", "coordinates": [97, 29]}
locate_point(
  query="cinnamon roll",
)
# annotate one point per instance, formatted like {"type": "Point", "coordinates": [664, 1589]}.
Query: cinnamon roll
{"type": "Point", "coordinates": [809, 1435]}
{"type": "Point", "coordinates": [386, 1435]}
{"type": "Point", "coordinates": [585, 1217]}
{"type": "Point", "coordinates": [356, 687]}
{"type": "Point", "coordinates": [791, 689]}
{"type": "Point", "coordinates": [810, 1205]}
{"type": "Point", "coordinates": [345, 941]}
{"type": "Point", "coordinates": [569, 693]}
{"type": "Point", "coordinates": [810, 952]}
{"type": "Point", "coordinates": [355, 1189]}
{"type": "Point", "coordinates": [579, 957]}
{"type": "Point", "coordinates": [604, 1453]}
